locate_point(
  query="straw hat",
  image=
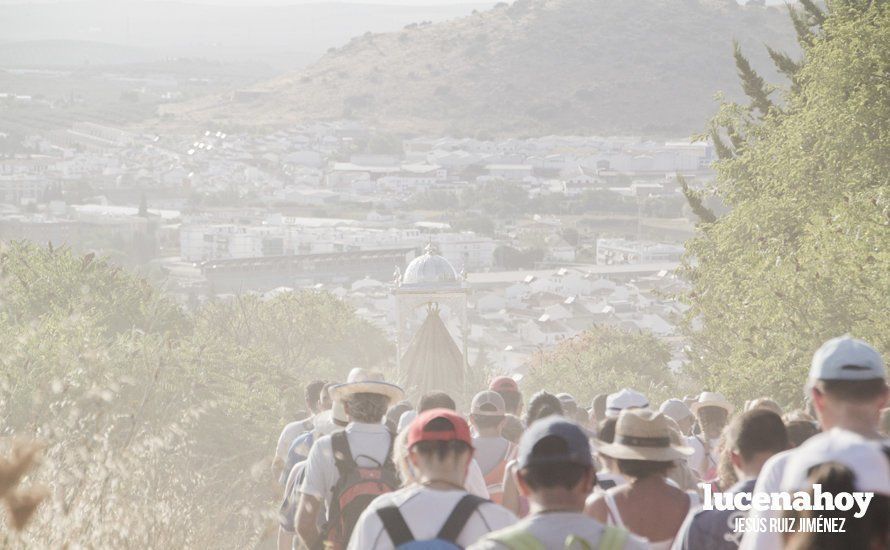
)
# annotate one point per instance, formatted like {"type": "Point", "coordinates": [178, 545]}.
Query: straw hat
{"type": "Point", "coordinates": [366, 381]}
{"type": "Point", "coordinates": [641, 434]}
{"type": "Point", "coordinates": [711, 399]}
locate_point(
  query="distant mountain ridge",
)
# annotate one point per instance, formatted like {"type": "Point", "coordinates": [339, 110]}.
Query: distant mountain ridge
{"type": "Point", "coordinates": [247, 31]}
{"type": "Point", "coordinates": [535, 67]}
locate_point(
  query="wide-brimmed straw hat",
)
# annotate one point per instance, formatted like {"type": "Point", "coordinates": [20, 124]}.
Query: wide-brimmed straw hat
{"type": "Point", "coordinates": [641, 434]}
{"type": "Point", "coordinates": [711, 399]}
{"type": "Point", "coordinates": [366, 381]}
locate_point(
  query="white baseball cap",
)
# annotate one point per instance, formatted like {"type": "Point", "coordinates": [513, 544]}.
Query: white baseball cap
{"type": "Point", "coordinates": [675, 409]}
{"type": "Point", "coordinates": [866, 458]}
{"type": "Point", "coordinates": [625, 398]}
{"type": "Point", "coordinates": [846, 358]}
{"type": "Point", "coordinates": [488, 403]}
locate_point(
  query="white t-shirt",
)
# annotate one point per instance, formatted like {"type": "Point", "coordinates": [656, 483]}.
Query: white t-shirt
{"type": "Point", "coordinates": [552, 529]}
{"type": "Point", "coordinates": [768, 481]}
{"type": "Point", "coordinates": [490, 451]}
{"type": "Point", "coordinates": [425, 511]}
{"type": "Point", "coordinates": [289, 434]}
{"type": "Point", "coordinates": [694, 461]}
{"type": "Point", "coordinates": [475, 481]}
{"type": "Point", "coordinates": [369, 444]}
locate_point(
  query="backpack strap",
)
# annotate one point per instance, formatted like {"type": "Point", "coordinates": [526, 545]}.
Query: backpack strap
{"type": "Point", "coordinates": [395, 526]}
{"type": "Point", "coordinates": [613, 538]}
{"type": "Point", "coordinates": [342, 453]}
{"type": "Point", "coordinates": [388, 462]}
{"type": "Point", "coordinates": [459, 517]}
{"type": "Point", "coordinates": [345, 464]}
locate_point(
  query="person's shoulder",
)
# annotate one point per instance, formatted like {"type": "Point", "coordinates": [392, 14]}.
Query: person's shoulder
{"type": "Point", "coordinates": [300, 440]}
{"type": "Point", "coordinates": [707, 528]}
{"type": "Point", "coordinates": [394, 498]}
{"type": "Point", "coordinates": [295, 473]}
{"type": "Point", "coordinates": [491, 541]}
{"type": "Point", "coordinates": [780, 458]}
{"type": "Point", "coordinates": [771, 473]}
{"type": "Point", "coordinates": [494, 510]}
{"type": "Point", "coordinates": [324, 441]}
{"type": "Point", "coordinates": [701, 518]}
{"type": "Point", "coordinates": [487, 544]}
{"type": "Point", "coordinates": [289, 429]}
{"type": "Point", "coordinates": [321, 449]}
{"type": "Point", "coordinates": [597, 500]}
{"type": "Point", "coordinates": [298, 425]}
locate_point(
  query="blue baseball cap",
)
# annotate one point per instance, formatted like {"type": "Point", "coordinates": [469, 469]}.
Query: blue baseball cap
{"type": "Point", "coordinates": [847, 358]}
{"type": "Point", "coordinates": [577, 446]}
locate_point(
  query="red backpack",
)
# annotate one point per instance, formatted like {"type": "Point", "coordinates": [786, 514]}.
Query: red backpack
{"type": "Point", "coordinates": [354, 490]}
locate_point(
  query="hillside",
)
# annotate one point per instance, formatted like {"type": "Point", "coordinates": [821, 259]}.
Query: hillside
{"type": "Point", "coordinates": [535, 67]}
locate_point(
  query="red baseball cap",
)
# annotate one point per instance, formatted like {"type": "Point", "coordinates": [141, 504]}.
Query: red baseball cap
{"type": "Point", "coordinates": [504, 383]}
{"type": "Point", "coordinates": [459, 431]}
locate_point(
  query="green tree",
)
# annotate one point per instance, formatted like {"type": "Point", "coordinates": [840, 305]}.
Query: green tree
{"type": "Point", "coordinates": [802, 256]}
{"type": "Point", "coordinates": [603, 360]}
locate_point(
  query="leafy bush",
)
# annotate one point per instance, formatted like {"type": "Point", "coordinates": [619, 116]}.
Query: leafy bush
{"type": "Point", "coordinates": [603, 360]}
{"type": "Point", "coordinates": [158, 424]}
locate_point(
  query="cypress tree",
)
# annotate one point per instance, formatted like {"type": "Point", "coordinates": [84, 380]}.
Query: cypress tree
{"type": "Point", "coordinates": [696, 202]}
{"type": "Point", "coordinates": [752, 83]}
{"type": "Point", "coordinates": [784, 63]}
{"type": "Point", "coordinates": [723, 151]}
{"type": "Point", "coordinates": [801, 27]}
{"type": "Point", "coordinates": [817, 16]}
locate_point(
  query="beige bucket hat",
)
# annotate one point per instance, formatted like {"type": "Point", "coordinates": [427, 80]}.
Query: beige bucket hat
{"type": "Point", "coordinates": [366, 381]}
{"type": "Point", "coordinates": [711, 399]}
{"type": "Point", "coordinates": [642, 434]}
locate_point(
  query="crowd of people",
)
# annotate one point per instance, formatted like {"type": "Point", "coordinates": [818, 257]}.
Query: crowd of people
{"type": "Point", "coordinates": [370, 470]}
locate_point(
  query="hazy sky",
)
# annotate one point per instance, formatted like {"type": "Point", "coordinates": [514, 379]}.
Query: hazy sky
{"type": "Point", "coordinates": [291, 2]}
{"type": "Point", "coordinates": [268, 2]}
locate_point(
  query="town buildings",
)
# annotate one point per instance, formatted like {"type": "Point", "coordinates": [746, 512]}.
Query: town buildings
{"type": "Point", "coordinates": [553, 235]}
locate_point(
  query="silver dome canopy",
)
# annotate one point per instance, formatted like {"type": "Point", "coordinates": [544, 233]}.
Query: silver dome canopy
{"type": "Point", "coordinates": [430, 270]}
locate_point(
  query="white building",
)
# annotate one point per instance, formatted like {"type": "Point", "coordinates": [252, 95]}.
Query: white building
{"type": "Point", "coordinates": [623, 251]}
{"type": "Point", "coordinates": [198, 243]}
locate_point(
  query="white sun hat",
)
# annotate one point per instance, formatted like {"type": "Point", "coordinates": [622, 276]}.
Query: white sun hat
{"type": "Point", "coordinates": [366, 381]}
{"type": "Point", "coordinates": [626, 398]}
{"type": "Point", "coordinates": [711, 399]}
